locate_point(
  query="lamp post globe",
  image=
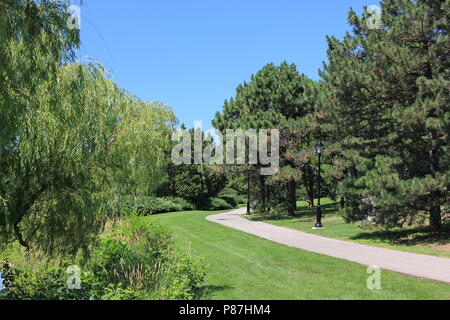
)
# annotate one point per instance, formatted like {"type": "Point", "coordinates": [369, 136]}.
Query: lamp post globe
{"type": "Point", "coordinates": [319, 147]}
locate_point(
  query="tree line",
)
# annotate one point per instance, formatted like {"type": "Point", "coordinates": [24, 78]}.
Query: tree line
{"type": "Point", "coordinates": [381, 106]}
{"type": "Point", "coordinates": [73, 145]}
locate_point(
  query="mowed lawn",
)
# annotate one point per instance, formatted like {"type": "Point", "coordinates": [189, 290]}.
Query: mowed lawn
{"type": "Point", "coordinates": [242, 266]}
{"type": "Point", "coordinates": [410, 239]}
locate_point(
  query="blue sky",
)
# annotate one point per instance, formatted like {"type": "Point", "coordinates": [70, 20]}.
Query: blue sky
{"type": "Point", "coordinates": [192, 54]}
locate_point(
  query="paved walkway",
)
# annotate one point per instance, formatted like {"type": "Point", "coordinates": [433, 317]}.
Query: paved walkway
{"type": "Point", "coordinates": [418, 265]}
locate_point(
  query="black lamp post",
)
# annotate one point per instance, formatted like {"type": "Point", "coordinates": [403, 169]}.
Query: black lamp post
{"type": "Point", "coordinates": [248, 193]}
{"type": "Point", "coordinates": [319, 151]}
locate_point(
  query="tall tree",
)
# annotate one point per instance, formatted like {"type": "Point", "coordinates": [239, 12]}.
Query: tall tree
{"type": "Point", "coordinates": [35, 40]}
{"type": "Point", "coordinates": [389, 104]}
{"type": "Point", "coordinates": [272, 97]}
{"type": "Point", "coordinates": [191, 181]}
{"type": "Point", "coordinates": [86, 143]}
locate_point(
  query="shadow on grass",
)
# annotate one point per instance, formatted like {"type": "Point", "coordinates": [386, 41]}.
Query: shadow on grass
{"type": "Point", "coordinates": [401, 237]}
{"type": "Point", "coordinates": [304, 212]}
{"type": "Point", "coordinates": [207, 291]}
{"type": "Point", "coordinates": [408, 237]}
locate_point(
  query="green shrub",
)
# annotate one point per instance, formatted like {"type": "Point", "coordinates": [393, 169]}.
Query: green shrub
{"type": "Point", "coordinates": [142, 256]}
{"type": "Point", "coordinates": [233, 199]}
{"type": "Point", "coordinates": [216, 204]}
{"type": "Point", "coordinates": [222, 202]}
{"type": "Point", "coordinates": [137, 261]}
{"type": "Point", "coordinates": [152, 205]}
{"type": "Point", "coordinates": [44, 283]}
{"type": "Point", "coordinates": [183, 203]}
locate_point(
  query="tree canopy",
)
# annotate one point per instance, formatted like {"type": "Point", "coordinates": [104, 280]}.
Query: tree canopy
{"type": "Point", "coordinates": [388, 103]}
{"type": "Point", "coordinates": [87, 143]}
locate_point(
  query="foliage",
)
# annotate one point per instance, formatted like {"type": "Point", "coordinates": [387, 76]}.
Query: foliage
{"type": "Point", "coordinates": [233, 199]}
{"type": "Point", "coordinates": [138, 261]}
{"type": "Point", "coordinates": [388, 107]}
{"type": "Point", "coordinates": [216, 203]}
{"type": "Point", "coordinates": [183, 204]}
{"type": "Point", "coordinates": [277, 97]}
{"type": "Point", "coordinates": [144, 205]}
{"type": "Point", "coordinates": [35, 40]}
{"type": "Point", "coordinates": [193, 182]}
{"type": "Point", "coordinates": [86, 144]}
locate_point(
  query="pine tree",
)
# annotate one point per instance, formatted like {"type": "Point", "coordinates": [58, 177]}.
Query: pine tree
{"type": "Point", "coordinates": [272, 99]}
{"type": "Point", "coordinates": [389, 106]}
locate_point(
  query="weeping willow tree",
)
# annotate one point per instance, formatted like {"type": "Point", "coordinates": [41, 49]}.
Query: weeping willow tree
{"type": "Point", "coordinates": [70, 140]}
{"type": "Point", "coordinates": [86, 142]}
{"type": "Point", "coordinates": [35, 40]}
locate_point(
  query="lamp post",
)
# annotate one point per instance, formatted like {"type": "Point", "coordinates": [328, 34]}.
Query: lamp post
{"type": "Point", "coordinates": [319, 151]}
{"type": "Point", "coordinates": [248, 193]}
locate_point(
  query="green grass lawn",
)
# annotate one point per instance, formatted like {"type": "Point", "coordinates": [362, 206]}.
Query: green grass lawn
{"type": "Point", "coordinates": [412, 239]}
{"type": "Point", "coordinates": [242, 266]}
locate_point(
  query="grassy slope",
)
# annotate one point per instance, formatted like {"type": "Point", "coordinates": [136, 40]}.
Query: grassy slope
{"type": "Point", "coordinates": [242, 266]}
{"type": "Point", "coordinates": [416, 240]}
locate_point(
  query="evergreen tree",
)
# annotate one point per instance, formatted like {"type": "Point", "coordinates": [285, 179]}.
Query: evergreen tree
{"type": "Point", "coordinates": [389, 106]}
{"type": "Point", "coordinates": [272, 98]}
{"type": "Point", "coordinates": [193, 182]}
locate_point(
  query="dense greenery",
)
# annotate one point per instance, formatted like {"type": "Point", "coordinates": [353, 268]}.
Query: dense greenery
{"type": "Point", "coordinates": [276, 97]}
{"type": "Point", "coordinates": [382, 108]}
{"type": "Point", "coordinates": [198, 183]}
{"type": "Point", "coordinates": [137, 260]}
{"type": "Point", "coordinates": [78, 153]}
{"type": "Point", "coordinates": [85, 145]}
{"type": "Point", "coordinates": [73, 147]}
{"type": "Point", "coordinates": [388, 93]}
{"type": "Point", "coordinates": [35, 40]}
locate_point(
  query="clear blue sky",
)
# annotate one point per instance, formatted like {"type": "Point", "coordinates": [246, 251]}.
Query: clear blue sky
{"type": "Point", "coordinates": [192, 54]}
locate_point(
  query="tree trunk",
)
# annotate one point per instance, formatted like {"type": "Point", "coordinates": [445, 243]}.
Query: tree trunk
{"type": "Point", "coordinates": [310, 198]}
{"type": "Point", "coordinates": [435, 210]}
{"type": "Point", "coordinates": [309, 186]}
{"type": "Point", "coordinates": [291, 187]}
{"type": "Point", "coordinates": [435, 218]}
{"type": "Point", "coordinates": [262, 193]}
{"type": "Point", "coordinates": [22, 207]}
{"type": "Point", "coordinates": [19, 236]}
{"type": "Point", "coordinates": [342, 203]}
{"type": "Point", "coordinates": [351, 172]}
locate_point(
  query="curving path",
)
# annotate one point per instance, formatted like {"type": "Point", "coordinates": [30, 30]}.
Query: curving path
{"type": "Point", "coordinates": [417, 265]}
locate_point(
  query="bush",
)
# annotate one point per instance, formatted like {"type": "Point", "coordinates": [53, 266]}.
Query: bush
{"type": "Point", "coordinates": [44, 283]}
{"type": "Point", "coordinates": [183, 203]}
{"type": "Point", "coordinates": [151, 205]}
{"type": "Point", "coordinates": [138, 261]}
{"type": "Point", "coordinates": [233, 199]}
{"type": "Point", "coordinates": [216, 204]}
